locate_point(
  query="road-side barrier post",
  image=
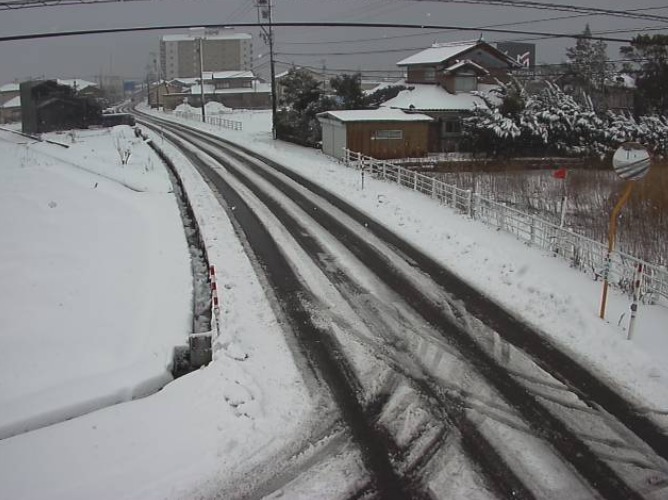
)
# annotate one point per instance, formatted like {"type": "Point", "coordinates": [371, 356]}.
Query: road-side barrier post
{"type": "Point", "coordinates": [637, 283]}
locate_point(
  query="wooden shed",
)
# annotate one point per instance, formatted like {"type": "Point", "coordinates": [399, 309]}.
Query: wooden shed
{"type": "Point", "coordinates": [380, 133]}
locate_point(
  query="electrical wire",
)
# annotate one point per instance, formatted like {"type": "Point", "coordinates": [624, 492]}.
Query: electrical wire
{"type": "Point", "coordinates": [440, 32]}
{"type": "Point", "coordinates": [30, 4]}
{"type": "Point", "coordinates": [528, 4]}
{"type": "Point", "coordinates": [35, 36]}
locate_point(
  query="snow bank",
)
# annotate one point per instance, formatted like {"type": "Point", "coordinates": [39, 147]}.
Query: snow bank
{"type": "Point", "coordinates": [248, 404]}
{"type": "Point", "coordinates": [94, 275]}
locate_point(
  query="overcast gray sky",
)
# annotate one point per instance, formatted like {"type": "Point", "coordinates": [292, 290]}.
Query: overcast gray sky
{"type": "Point", "coordinates": [127, 54]}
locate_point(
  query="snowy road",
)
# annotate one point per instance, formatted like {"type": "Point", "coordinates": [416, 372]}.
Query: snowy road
{"type": "Point", "coordinates": [429, 379]}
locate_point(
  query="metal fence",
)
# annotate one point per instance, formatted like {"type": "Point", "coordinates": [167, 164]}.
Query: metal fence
{"type": "Point", "coordinates": [582, 253]}
{"type": "Point", "coordinates": [211, 120]}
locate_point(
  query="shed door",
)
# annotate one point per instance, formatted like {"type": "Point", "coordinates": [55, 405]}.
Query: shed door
{"type": "Point", "coordinates": [338, 140]}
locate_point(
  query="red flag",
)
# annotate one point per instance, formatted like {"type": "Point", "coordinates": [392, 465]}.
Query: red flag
{"type": "Point", "coordinates": [560, 173]}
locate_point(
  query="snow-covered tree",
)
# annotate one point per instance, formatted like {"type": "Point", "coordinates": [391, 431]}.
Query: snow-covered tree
{"type": "Point", "coordinates": [552, 122]}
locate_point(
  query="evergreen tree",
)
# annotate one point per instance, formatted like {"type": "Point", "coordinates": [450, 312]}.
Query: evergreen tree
{"type": "Point", "coordinates": [300, 89]}
{"type": "Point", "coordinates": [588, 63]}
{"type": "Point", "coordinates": [649, 54]}
{"type": "Point", "coordinates": [348, 89]}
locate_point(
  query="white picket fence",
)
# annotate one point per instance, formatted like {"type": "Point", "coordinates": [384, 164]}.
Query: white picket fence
{"type": "Point", "coordinates": [211, 120]}
{"type": "Point", "coordinates": [583, 253]}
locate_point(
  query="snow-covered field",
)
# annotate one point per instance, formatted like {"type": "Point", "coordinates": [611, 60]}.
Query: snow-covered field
{"type": "Point", "coordinates": [114, 278]}
{"type": "Point", "coordinates": [87, 243]}
{"type": "Point", "coordinates": [201, 433]}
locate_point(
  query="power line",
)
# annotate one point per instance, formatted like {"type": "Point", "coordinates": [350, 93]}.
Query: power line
{"type": "Point", "coordinates": [412, 49]}
{"type": "Point", "coordinates": [36, 36]}
{"type": "Point", "coordinates": [29, 4]}
{"type": "Point", "coordinates": [528, 4]}
{"type": "Point", "coordinates": [440, 32]}
{"type": "Point", "coordinates": [539, 67]}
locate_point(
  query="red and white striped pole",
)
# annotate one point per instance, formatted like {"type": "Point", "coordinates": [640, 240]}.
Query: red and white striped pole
{"type": "Point", "coordinates": [637, 282]}
{"type": "Point", "coordinates": [214, 296]}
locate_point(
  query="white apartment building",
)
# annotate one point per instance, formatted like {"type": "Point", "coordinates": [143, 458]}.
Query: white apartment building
{"type": "Point", "coordinates": [221, 52]}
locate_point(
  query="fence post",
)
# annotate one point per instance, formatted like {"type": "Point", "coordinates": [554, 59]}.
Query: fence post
{"type": "Point", "coordinates": [433, 188]}
{"type": "Point", "coordinates": [469, 204]}
{"type": "Point", "coordinates": [532, 237]}
{"type": "Point", "coordinates": [453, 197]}
{"type": "Point", "coordinates": [415, 181]}
{"type": "Point", "coordinates": [384, 167]}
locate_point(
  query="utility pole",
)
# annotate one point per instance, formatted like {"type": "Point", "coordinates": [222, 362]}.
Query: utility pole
{"type": "Point", "coordinates": [265, 20]}
{"type": "Point", "coordinates": [201, 78]}
{"type": "Point", "coordinates": [199, 33]}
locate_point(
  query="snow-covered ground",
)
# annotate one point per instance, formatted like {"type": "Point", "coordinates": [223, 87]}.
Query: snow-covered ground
{"type": "Point", "coordinates": [86, 242]}
{"type": "Point", "coordinates": [562, 302]}
{"type": "Point", "coordinates": [200, 433]}
{"type": "Point", "coordinates": [119, 266]}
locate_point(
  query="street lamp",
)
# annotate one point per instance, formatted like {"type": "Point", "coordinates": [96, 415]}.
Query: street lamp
{"type": "Point", "coordinates": [199, 36]}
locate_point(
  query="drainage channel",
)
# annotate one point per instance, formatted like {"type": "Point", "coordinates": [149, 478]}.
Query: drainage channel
{"type": "Point", "coordinates": [197, 352]}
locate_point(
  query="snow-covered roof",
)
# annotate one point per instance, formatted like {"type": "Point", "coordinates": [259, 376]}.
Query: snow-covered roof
{"type": "Point", "coordinates": [465, 62]}
{"type": "Point", "coordinates": [258, 87]}
{"type": "Point", "coordinates": [622, 80]}
{"type": "Point", "coordinates": [197, 89]}
{"type": "Point", "coordinates": [227, 75]}
{"type": "Point", "coordinates": [185, 81]}
{"type": "Point", "coordinates": [14, 102]}
{"type": "Point", "coordinates": [10, 87]}
{"type": "Point", "coordinates": [76, 83]}
{"type": "Point", "coordinates": [429, 97]}
{"type": "Point", "coordinates": [375, 115]}
{"type": "Point", "coordinates": [211, 89]}
{"type": "Point", "coordinates": [192, 36]}
{"type": "Point", "coordinates": [385, 85]}
{"type": "Point", "coordinates": [439, 52]}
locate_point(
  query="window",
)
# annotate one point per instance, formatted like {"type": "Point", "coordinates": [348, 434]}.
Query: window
{"type": "Point", "coordinates": [465, 83]}
{"type": "Point", "coordinates": [430, 74]}
{"type": "Point", "coordinates": [388, 134]}
{"type": "Point", "coordinates": [452, 127]}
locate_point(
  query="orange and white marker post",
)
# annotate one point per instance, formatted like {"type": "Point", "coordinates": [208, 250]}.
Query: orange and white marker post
{"type": "Point", "coordinates": [637, 283]}
{"type": "Point", "coordinates": [214, 297]}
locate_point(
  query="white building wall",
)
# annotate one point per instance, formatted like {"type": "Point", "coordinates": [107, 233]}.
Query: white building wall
{"type": "Point", "coordinates": [334, 138]}
{"type": "Point", "coordinates": [221, 53]}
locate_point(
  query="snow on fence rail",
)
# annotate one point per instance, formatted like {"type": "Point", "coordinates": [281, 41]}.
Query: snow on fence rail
{"type": "Point", "coordinates": [583, 253]}
{"type": "Point", "coordinates": [211, 120]}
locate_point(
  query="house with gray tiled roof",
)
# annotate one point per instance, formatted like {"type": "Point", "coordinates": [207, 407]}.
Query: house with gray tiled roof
{"type": "Point", "coordinates": [442, 81]}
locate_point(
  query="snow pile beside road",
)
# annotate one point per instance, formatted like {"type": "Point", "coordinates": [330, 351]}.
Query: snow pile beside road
{"type": "Point", "coordinates": [199, 435]}
{"type": "Point", "coordinates": [94, 276]}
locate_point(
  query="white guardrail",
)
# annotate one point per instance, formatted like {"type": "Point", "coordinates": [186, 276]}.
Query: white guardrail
{"type": "Point", "coordinates": [211, 120]}
{"type": "Point", "coordinates": [583, 253]}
